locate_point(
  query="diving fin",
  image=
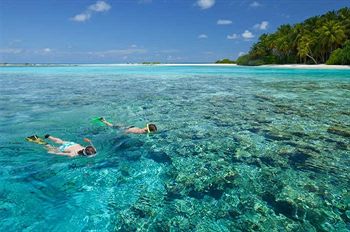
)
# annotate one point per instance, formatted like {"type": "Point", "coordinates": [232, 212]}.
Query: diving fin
{"type": "Point", "coordinates": [36, 139]}
{"type": "Point", "coordinates": [97, 121]}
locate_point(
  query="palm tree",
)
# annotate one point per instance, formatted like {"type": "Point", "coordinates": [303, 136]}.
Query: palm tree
{"type": "Point", "coordinates": [312, 40]}
{"type": "Point", "coordinates": [283, 42]}
{"type": "Point", "coordinates": [305, 45]}
{"type": "Point", "coordinates": [331, 36]}
{"type": "Point", "coordinates": [344, 16]}
{"type": "Point", "coordinates": [261, 48]}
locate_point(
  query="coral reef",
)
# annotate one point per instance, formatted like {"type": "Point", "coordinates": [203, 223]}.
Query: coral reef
{"type": "Point", "coordinates": [237, 150]}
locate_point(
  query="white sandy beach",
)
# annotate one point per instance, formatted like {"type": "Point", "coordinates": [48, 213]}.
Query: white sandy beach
{"type": "Point", "coordinates": [307, 66]}
{"type": "Point", "coordinates": [296, 66]}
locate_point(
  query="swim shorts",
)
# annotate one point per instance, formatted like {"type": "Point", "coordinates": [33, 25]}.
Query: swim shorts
{"type": "Point", "coordinates": [65, 145]}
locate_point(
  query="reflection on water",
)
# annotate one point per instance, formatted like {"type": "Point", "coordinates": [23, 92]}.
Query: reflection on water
{"type": "Point", "coordinates": [238, 149]}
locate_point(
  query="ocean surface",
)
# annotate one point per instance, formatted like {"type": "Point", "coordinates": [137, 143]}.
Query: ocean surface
{"type": "Point", "coordinates": [238, 149]}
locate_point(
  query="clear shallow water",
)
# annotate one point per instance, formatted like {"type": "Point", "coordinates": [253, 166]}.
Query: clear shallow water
{"type": "Point", "coordinates": [238, 149]}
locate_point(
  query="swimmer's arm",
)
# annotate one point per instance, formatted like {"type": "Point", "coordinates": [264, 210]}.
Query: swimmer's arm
{"type": "Point", "coordinates": [88, 141]}
{"type": "Point", "coordinates": [106, 122]}
{"type": "Point", "coordinates": [70, 154]}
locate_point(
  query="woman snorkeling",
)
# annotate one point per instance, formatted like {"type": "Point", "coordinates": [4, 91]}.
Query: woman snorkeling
{"type": "Point", "coordinates": [149, 128]}
{"type": "Point", "coordinates": [66, 148]}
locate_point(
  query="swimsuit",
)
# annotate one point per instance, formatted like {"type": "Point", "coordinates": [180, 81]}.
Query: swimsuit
{"type": "Point", "coordinates": [65, 145]}
{"type": "Point", "coordinates": [123, 127]}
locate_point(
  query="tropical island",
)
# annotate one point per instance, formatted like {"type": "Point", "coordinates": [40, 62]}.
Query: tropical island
{"type": "Point", "coordinates": [236, 148]}
{"type": "Point", "coordinates": [150, 62]}
{"type": "Point", "coordinates": [225, 61]}
{"type": "Point", "coordinates": [321, 39]}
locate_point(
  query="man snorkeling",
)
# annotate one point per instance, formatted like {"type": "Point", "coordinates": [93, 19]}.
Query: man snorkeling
{"type": "Point", "coordinates": [66, 148]}
{"type": "Point", "coordinates": [150, 128]}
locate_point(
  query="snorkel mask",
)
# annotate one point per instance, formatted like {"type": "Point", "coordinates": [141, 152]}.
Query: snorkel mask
{"type": "Point", "coordinates": [85, 153]}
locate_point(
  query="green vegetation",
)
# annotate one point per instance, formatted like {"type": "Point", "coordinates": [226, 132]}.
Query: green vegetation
{"type": "Point", "coordinates": [341, 55]}
{"type": "Point", "coordinates": [319, 39]}
{"type": "Point", "coordinates": [225, 61]}
{"type": "Point", "coordinates": [150, 62]}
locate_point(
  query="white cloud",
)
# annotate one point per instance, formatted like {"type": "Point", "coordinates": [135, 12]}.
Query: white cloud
{"type": "Point", "coordinates": [255, 4]}
{"type": "Point", "coordinates": [202, 36]}
{"type": "Point", "coordinates": [81, 17]}
{"type": "Point", "coordinates": [119, 52]}
{"type": "Point", "coordinates": [261, 26]}
{"type": "Point", "coordinates": [113, 53]}
{"type": "Point", "coordinates": [247, 35]}
{"type": "Point", "coordinates": [99, 6]}
{"type": "Point", "coordinates": [10, 50]}
{"type": "Point", "coordinates": [42, 51]}
{"type": "Point", "coordinates": [174, 58]}
{"type": "Point", "coordinates": [241, 54]}
{"type": "Point", "coordinates": [205, 4]}
{"type": "Point", "coordinates": [133, 46]}
{"type": "Point", "coordinates": [224, 22]}
{"type": "Point", "coordinates": [15, 51]}
{"type": "Point", "coordinates": [233, 36]}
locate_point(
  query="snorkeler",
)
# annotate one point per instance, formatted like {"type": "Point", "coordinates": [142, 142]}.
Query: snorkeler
{"type": "Point", "coordinates": [67, 148]}
{"type": "Point", "coordinates": [132, 129]}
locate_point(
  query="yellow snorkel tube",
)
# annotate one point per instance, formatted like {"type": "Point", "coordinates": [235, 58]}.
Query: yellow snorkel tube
{"type": "Point", "coordinates": [148, 130]}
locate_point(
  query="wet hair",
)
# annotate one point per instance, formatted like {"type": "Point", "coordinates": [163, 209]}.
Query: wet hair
{"type": "Point", "coordinates": [90, 150]}
{"type": "Point", "coordinates": [152, 127]}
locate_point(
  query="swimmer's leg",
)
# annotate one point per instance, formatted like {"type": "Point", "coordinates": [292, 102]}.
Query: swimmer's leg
{"type": "Point", "coordinates": [104, 121]}
{"type": "Point", "coordinates": [54, 139]}
{"type": "Point", "coordinates": [117, 126]}
{"type": "Point", "coordinates": [51, 149]}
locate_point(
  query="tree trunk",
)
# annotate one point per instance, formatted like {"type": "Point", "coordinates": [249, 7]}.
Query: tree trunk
{"type": "Point", "coordinates": [311, 58]}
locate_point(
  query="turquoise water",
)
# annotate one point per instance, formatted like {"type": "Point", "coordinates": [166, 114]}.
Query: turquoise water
{"type": "Point", "coordinates": [238, 149]}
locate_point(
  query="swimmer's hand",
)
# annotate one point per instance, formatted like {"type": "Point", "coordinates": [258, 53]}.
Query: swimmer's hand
{"type": "Point", "coordinates": [89, 141]}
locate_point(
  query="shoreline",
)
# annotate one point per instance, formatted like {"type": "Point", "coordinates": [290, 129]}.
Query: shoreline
{"type": "Point", "coordinates": [306, 66]}
{"type": "Point", "coordinates": [290, 66]}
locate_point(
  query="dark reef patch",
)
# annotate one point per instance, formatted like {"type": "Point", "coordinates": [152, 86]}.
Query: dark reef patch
{"type": "Point", "coordinates": [338, 130]}
{"type": "Point", "coordinates": [159, 157]}
{"type": "Point", "coordinates": [297, 158]}
{"type": "Point", "coordinates": [280, 207]}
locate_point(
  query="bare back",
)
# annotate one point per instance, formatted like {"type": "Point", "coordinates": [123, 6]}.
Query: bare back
{"type": "Point", "coordinates": [136, 130]}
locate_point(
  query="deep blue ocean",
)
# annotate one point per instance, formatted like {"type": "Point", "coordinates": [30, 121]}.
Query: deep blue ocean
{"type": "Point", "coordinates": [237, 149]}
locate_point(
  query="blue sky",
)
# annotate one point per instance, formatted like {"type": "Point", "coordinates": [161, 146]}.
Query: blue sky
{"type": "Point", "coordinates": [122, 31]}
